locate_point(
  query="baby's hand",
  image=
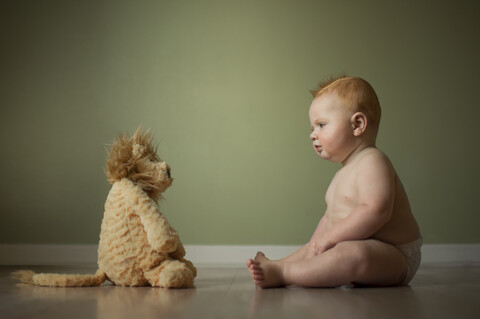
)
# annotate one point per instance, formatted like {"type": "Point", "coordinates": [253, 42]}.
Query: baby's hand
{"type": "Point", "coordinates": [320, 246]}
{"type": "Point", "coordinates": [314, 249]}
{"type": "Point", "coordinates": [310, 252]}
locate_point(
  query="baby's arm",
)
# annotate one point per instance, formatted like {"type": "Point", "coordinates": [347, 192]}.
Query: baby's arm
{"type": "Point", "coordinates": [307, 250]}
{"type": "Point", "coordinates": [375, 183]}
{"type": "Point", "coordinates": [320, 228]}
{"type": "Point", "coordinates": [311, 246]}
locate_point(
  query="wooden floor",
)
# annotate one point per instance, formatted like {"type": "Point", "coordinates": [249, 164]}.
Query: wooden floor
{"type": "Point", "coordinates": [438, 291]}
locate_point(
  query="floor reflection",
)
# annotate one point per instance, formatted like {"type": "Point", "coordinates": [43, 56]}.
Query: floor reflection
{"type": "Point", "coordinates": [344, 302]}
{"type": "Point", "coordinates": [146, 302]}
{"type": "Point", "coordinates": [108, 301]}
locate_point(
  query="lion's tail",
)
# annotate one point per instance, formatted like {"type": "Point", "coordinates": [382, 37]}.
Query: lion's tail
{"type": "Point", "coordinates": [60, 280]}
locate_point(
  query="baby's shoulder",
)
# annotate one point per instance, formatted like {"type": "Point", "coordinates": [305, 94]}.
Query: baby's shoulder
{"type": "Point", "coordinates": [374, 158]}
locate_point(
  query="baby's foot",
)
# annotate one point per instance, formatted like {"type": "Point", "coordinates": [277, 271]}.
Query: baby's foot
{"type": "Point", "coordinates": [265, 273]}
{"type": "Point", "coordinates": [255, 270]}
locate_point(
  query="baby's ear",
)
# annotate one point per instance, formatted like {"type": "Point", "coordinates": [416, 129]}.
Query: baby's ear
{"type": "Point", "coordinates": [359, 123]}
{"type": "Point", "coordinates": [138, 151]}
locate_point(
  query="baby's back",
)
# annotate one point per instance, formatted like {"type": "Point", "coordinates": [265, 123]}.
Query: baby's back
{"type": "Point", "coordinates": [402, 227]}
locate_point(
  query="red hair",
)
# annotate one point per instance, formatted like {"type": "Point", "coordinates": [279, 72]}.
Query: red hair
{"type": "Point", "coordinates": [358, 93]}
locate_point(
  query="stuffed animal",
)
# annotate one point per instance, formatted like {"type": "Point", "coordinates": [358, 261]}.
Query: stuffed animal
{"type": "Point", "coordinates": [138, 247]}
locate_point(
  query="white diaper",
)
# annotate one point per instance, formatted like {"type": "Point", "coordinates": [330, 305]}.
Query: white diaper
{"type": "Point", "coordinates": [413, 254]}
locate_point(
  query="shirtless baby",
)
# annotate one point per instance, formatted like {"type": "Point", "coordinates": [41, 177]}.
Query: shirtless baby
{"type": "Point", "coordinates": [368, 235]}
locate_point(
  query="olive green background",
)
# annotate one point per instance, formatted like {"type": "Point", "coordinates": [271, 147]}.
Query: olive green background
{"type": "Point", "coordinates": [224, 87]}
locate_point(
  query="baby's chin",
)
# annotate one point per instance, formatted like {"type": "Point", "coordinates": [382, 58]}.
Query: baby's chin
{"type": "Point", "coordinates": [324, 155]}
{"type": "Point", "coordinates": [320, 151]}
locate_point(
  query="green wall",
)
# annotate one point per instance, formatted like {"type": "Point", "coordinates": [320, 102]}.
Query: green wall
{"type": "Point", "coordinates": [224, 86]}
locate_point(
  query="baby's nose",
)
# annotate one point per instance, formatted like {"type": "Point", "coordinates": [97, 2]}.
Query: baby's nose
{"type": "Point", "coordinates": [312, 136]}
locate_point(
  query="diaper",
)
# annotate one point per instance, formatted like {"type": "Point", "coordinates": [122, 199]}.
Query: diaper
{"type": "Point", "coordinates": [413, 255]}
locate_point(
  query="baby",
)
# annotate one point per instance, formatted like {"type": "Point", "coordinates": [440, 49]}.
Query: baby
{"type": "Point", "coordinates": [368, 235]}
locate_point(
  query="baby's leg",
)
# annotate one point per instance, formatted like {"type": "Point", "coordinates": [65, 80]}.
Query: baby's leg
{"type": "Point", "coordinates": [366, 262]}
{"type": "Point", "coordinates": [299, 254]}
{"type": "Point", "coordinates": [302, 253]}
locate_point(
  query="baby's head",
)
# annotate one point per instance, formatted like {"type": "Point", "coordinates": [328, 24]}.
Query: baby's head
{"type": "Point", "coordinates": [357, 95]}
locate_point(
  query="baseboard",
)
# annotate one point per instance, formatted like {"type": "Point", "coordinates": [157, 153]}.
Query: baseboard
{"type": "Point", "coordinates": [205, 255]}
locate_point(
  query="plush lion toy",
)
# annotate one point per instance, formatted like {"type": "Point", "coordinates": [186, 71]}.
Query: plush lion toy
{"type": "Point", "coordinates": [138, 247]}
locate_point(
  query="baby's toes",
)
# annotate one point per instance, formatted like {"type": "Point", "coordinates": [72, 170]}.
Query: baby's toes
{"type": "Point", "coordinates": [260, 257]}
{"type": "Point", "coordinates": [260, 254]}
{"type": "Point", "coordinates": [258, 275]}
